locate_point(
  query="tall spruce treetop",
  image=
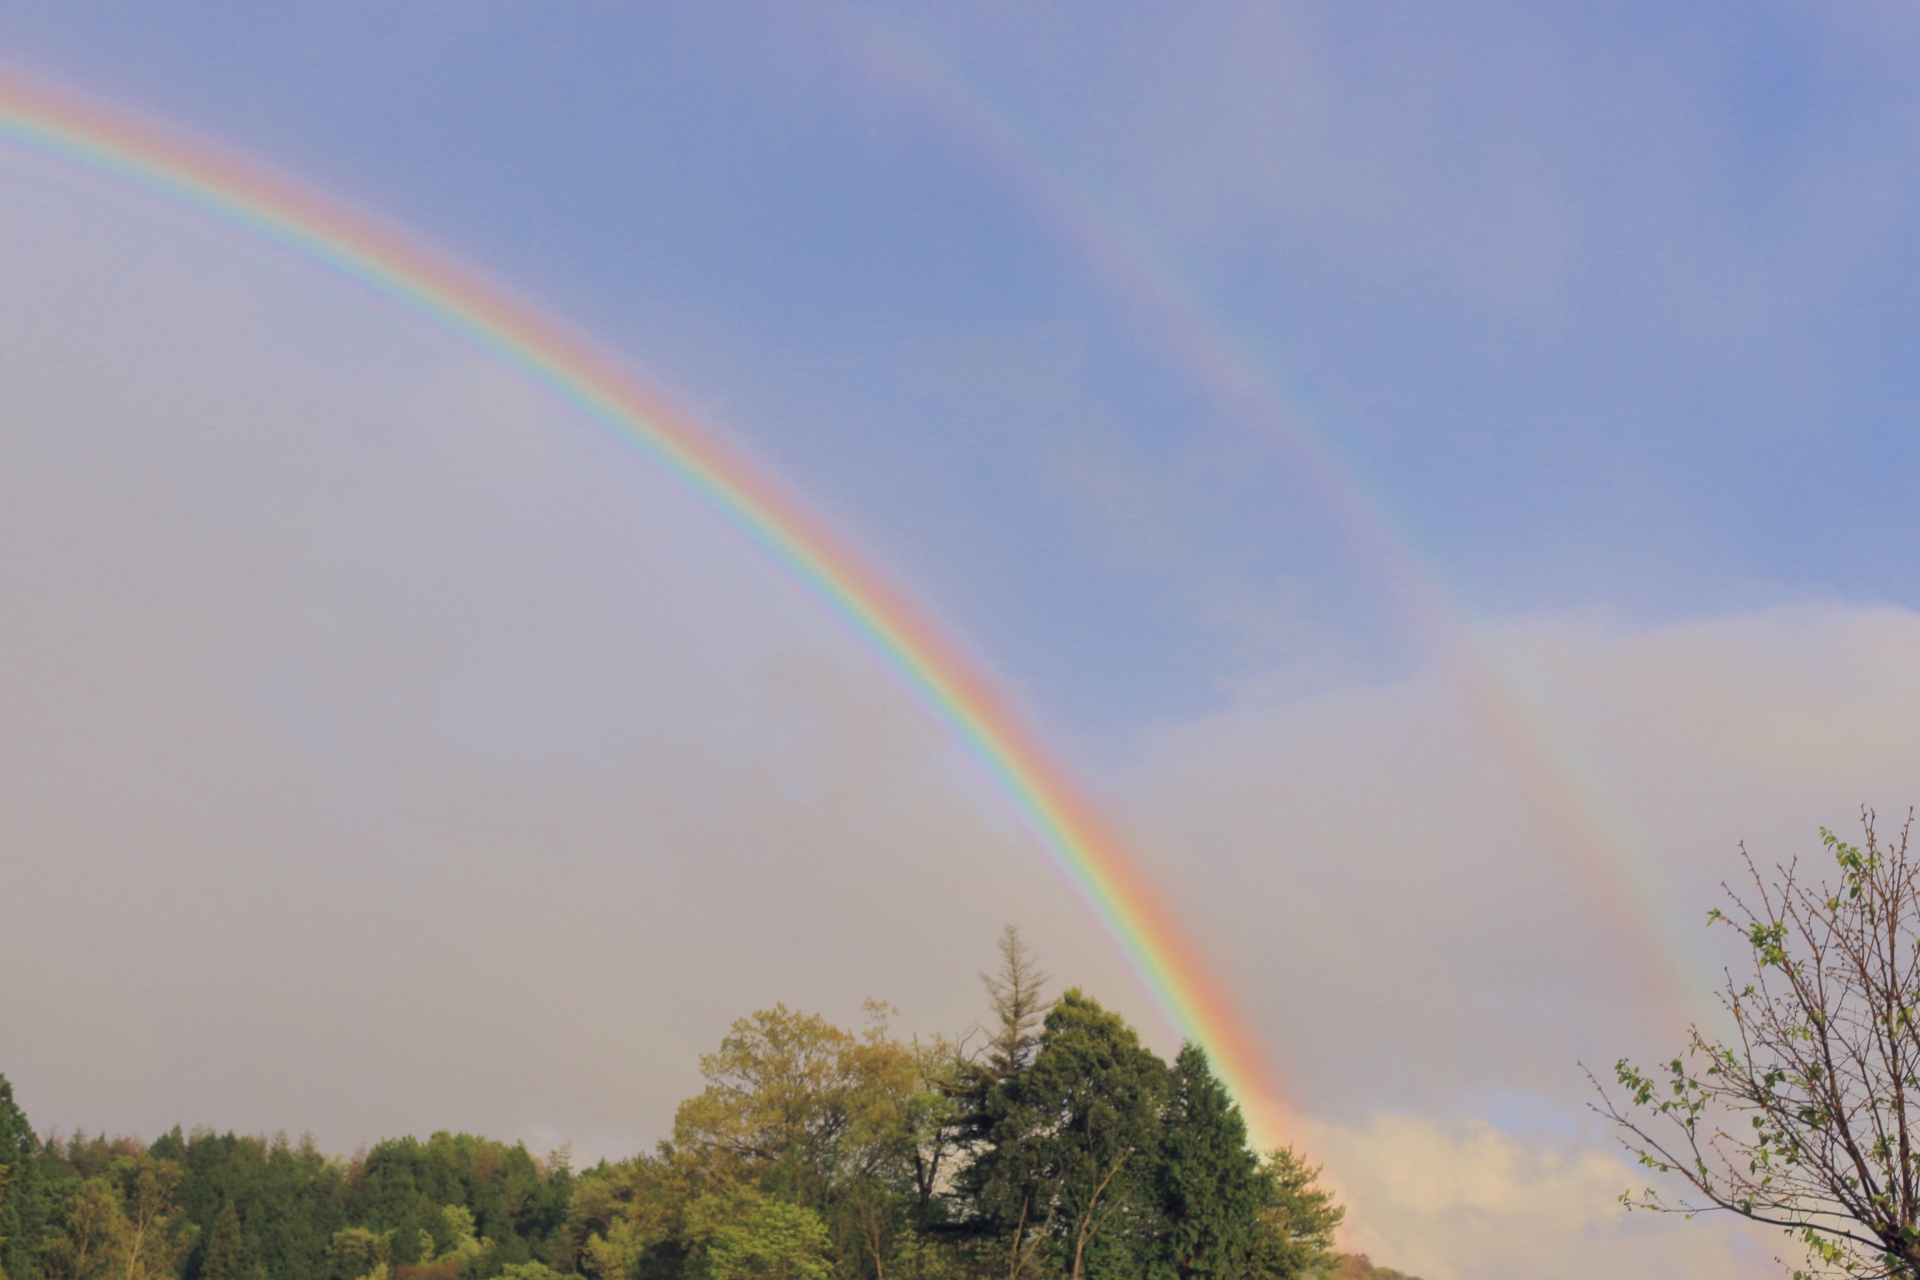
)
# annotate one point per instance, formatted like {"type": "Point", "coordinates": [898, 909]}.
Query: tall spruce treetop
{"type": "Point", "coordinates": [1209, 1184]}
{"type": "Point", "coordinates": [1015, 995]}
{"type": "Point", "coordinates": [972, 1079]}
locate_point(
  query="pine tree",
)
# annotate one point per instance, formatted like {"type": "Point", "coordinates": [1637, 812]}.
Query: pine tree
{"type": "Point", "coordinates": [31, 1198]}
{"type": "Point", "coordinates": [979, 1122]}
{"type": "Point", "coordinates": [225, 1248]}
{"type": "Point", "coordinates": [1208, 1182]}
{"type": "Point", "coordinates": [1015, 995]}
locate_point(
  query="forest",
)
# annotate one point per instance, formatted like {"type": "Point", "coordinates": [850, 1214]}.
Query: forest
{"type": "Point", "coordinates": [1051, 1145]}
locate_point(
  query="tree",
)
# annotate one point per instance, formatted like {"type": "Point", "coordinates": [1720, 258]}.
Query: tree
{"type": "Point", "coordinates": [1014, 993]}
{"type": "Point", "coordinates": [739, 1234]}
{"type": "Point", "coordinates": [1210, 1188]}
{"type": "Point", "coordinates": [626, 1221]}
{"type": "Point", "coordinates": [157, 1234]}
{"type": "Point", "coordinates": [95, 1236]}
{"type": "Point", "coordinates": [782, 1093]}
{"type": "Point", "coordinates": [32, 1199]}
{"type": "Point", "coordinates": [842, 1124]}
{"type": "Point", "coordinates": [1297, 1218]}
{"type": "Point", "coordinates": [225, 1257]}
{"type": "Point", "coordinates": [263, 1207]}
{"type": "Point", "coordinates": [1804, 1118]}
{"type": "Point", "coordinates": [1073, 1144]}
{"type": "Point", "coordinates": [978, 1114]}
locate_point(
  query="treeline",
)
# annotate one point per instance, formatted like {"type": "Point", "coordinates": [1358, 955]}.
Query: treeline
{"type": "Point", "coordinates": [1057, 1148]}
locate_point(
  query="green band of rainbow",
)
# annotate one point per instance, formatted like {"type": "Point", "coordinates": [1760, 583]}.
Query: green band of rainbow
{"type": "Point", "coordinates": [63, 125]}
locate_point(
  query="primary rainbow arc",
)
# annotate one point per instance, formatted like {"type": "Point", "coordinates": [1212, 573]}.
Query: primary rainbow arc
{"type": "Point", "coordinates": [937, 674]}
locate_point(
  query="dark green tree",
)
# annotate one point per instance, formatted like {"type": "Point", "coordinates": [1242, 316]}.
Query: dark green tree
{"type": "Point", "coordinates": [286, 1200]}
{"type": "Point", "coordinates": [1068, 1174]}
{"type": "Point", "coordinates": [225, 1257]}
{"type": "Point", "coordinates": [1210, 1189]}
{"type": "Point", "coordinates": [34, 1191]}
{"type": "Point", "coordinates": [18, 1147]}
{"type": "Point", "coordinates": [404, 1185]}
{"type": "Point", "coordinates": [1014, 993]}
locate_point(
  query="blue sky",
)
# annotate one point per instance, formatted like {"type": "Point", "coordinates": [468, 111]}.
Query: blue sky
{"type": "Point", "coordinates": [1605, 307]}
{"type": "Point", "coordinates": [1608, 309]}
{"type": "Point", "coordinates": [1605, 314]}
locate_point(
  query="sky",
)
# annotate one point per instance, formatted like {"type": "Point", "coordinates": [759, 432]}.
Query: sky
{"type": "Point", "coordinates": [1281, 401]}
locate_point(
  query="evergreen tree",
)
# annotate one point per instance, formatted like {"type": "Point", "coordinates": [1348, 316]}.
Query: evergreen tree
{"type": "Point", "coordinates": [18, 1147]}
{"type": "Point", "coordinates": [1014, 993]}
{"type": "Point", "coordinates": [285, 1199]}
{"type": "Point", "coordinates": [1210, 1190]}
{"type": "Point", "coordinates": [1067, 1174]}
{"type": "Point", "coordinates": [34, 1192]}
{"type": "Point", "coordinates": [225, 1257]}
{"type": "Point", "coordinates": [974, 1107]}
{"type": "Point", "coordinates": [1298, 1220]}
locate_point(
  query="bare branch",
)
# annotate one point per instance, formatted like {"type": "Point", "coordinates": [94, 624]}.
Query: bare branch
{"type": "Point", "coordinates": [1802, 1120]}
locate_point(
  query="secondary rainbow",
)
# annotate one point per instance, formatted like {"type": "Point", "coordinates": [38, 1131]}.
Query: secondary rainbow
{"type": "Point", "coordinates": [1500, 697]}
{"type": "Point", "coordinates": [59, 123]}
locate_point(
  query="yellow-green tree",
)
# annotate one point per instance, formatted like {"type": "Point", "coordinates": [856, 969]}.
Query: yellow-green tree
{"type": "Point", "coordinates": [125, 1224]}
{"type": "Point", "coordinates": [94, 1236]}
{"type": "Point", "coordinates": [840, 1123]}
{"type": "Point", "coordinates": [158, 1234]}
{"type": "Point", "coordinates": [740, 1234]}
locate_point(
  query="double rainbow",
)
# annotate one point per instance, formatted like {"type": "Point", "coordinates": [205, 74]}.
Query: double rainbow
{"type": "Point", "coordinates": [937, 674]}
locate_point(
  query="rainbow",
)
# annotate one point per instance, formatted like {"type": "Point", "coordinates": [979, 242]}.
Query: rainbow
{"type": "Point", "coordinates": [1498, 694]}
{"type": "Point", "coordinates": [59, 123]}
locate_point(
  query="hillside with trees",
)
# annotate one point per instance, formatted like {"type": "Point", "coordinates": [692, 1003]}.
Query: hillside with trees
{"type": "Point", "coordinates": [1059, 1148]}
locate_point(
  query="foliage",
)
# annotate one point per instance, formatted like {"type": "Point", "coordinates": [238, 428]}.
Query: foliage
{"type": "Point", "coordinates": [1803, 1120]}
{"type": "Point", "coordinates": [1211, 1190]}
{"type": "Point", "coordinates": [1298, 1218]}
{"type": "Point", "coordinates": [35, 1193]}
{"type": "Point", "coordinates": [1082, 1123]}
{"type": "Point", "coordinates": [1055, 1147]}
{"type": "Point", "coordinates": [125, 1220]}
{"type": "Point", "coordinates": [740, 1234]}
{"type": "Point", "coordinates": [262, 1207]}
{"type": "Point", "coordinates": [1356, 1266]}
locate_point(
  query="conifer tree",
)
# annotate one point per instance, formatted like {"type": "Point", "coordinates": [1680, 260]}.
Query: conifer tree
{"type": "Point", "coordinates": [1208, 1183]}
{"type": "Point", "coordinates": [223, 1260]}
{"type": "Point", "coordinates": [1014, 993]}
{"type": "Point", "coordinates": [30, 1197]}
{"type": "Point", "coordinates": [1074, 1140]}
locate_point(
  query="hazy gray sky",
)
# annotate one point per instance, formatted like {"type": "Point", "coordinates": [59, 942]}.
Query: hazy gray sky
{"type": "Point", "coordinates": [384, 750]}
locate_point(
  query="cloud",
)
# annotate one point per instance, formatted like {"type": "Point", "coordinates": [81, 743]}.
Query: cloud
{"type": "Point", "coordinates": [1459, 1199]}
{"type": "Point", "coordinates": [1430, 961]}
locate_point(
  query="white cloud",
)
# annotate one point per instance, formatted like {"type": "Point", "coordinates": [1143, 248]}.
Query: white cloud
{"type": "Point", "coordinates": [1461, 1200]}
{"type": "Point", "coordinates": [1430, 959]}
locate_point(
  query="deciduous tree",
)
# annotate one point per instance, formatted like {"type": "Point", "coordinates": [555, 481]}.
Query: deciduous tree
{"type": "Point", "coordinates": [1804, 1116]}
